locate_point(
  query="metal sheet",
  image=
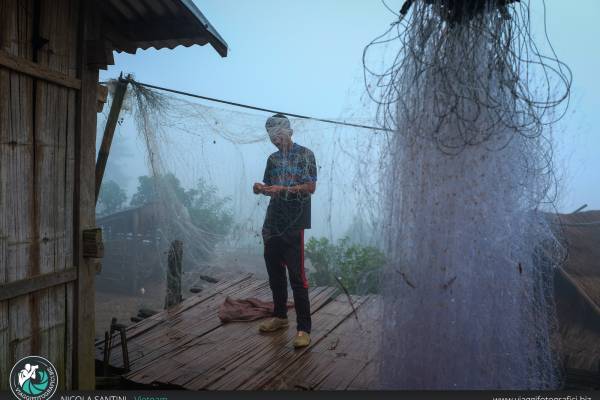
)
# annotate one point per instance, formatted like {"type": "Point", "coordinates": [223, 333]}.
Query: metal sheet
{"type": "Point", "coordinates": [141, 24]}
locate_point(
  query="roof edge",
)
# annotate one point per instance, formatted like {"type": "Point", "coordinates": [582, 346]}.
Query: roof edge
{"type": "Point", "coordinates": [216, 41]}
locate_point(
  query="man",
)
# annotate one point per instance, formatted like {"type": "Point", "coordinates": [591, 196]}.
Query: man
{"type": "Point", "coordinates": [290, 179]}
{"type": "Point", "coordinates": [27, 373]}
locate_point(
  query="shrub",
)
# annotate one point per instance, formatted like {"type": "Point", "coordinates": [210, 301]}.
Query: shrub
{"type": "Point", "coordinates": [356, 266]}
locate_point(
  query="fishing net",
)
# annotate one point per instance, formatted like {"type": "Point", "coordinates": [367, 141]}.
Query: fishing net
{"type": "Point", "coordinates": [449, 192]}
{"type": "Point", "coordinates": [468, 171]}
{"type": "Point", "coordinates": [188, 175]}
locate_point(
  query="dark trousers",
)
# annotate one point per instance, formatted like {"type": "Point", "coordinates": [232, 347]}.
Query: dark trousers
{"type": "Point", "coordinates": [281, 250]}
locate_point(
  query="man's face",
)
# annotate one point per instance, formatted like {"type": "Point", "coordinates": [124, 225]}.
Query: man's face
{"type": "Point", "coordinates": [279, 137]}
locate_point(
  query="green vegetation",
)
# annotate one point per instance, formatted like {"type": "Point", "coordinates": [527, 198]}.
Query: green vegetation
{"type": "Point", "coordinates": [357, 267]}
{"type": "Point", "coordinates": [208, 211]}
{"type": "Point", "coordinates": [111, 198]}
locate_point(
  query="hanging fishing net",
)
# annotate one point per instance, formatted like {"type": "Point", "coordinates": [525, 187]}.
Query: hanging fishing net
{"type": "Point", "coordinates": [468, 173]}
{"type": "Point", "coordinates": [441, 209]}
{"type": "Point", "coordinates": [187, 175]}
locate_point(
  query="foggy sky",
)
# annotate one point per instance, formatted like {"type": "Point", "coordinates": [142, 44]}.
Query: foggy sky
{"type": "Point", "coordinates": [305, 57]}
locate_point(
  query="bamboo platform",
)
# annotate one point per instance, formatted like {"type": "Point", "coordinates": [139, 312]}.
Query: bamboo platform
{"type": "Point", "coordinates": [188, 347]}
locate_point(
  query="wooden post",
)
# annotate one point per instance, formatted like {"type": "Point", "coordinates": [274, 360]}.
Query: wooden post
{"type": "Point", "coordinates": [84, 204]}
{"type": "Point", "coordinates": [174, 271]}
{"type": "Point", "coordinates": [109, 131]}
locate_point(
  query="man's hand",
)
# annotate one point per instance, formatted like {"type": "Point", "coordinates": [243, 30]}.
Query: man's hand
{"type": "Point", "coordinates": [273, 190]}
{"type": "Point", "coordinates": [304, 188]}
{"type": "Point", "coordinates": [258, 188]}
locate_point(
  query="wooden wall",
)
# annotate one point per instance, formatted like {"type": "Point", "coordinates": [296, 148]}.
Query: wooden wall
{"type": "Point", "coordinates": [47, 139]}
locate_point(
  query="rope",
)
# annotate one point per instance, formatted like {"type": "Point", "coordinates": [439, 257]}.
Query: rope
{"type": "Point", "coordinates": [231, 103]}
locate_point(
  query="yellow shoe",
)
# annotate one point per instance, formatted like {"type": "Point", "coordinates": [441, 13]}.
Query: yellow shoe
{"type": "Point", "coordinates": [273, 324]}
{"type": "Point", "coordinates": [302, 339]}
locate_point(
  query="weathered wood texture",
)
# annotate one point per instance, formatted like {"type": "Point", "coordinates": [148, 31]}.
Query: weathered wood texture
{"type": "Point", "coordinates": [37, 283]}
{"type": "Point", "coordinates": [109, 132]}
{"type": "Point", "coordinates": [24, 66]}
{"type": "Point", "coordinates": [38, 110]}
{"type": "Point", "coordinates": [174, 272]}
{"type": "Point", "coordinates": [84, 202]}
{"type": "Point", "coordinates": [187, 346]}
{"type": "Point", "coordinates": [345, 360]}
{"type": "Point", "coordinates": [16, 158]}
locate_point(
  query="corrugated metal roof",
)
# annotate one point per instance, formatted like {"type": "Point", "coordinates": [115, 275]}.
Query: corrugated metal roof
{"type": "Point", "coordinates": [142, 24]}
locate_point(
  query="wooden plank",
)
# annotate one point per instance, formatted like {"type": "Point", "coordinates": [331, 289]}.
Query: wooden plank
{"type": "Point", "coordinates": [16, 141]}
{"type": "Point", "coordinates": [346, 359]}
{"type": "Point", "coordinates": [36, 323]}
{"type": "Point", "coordinates": [36, 245]}
{"type": "Point", "coordinates": [49, 111]}
{"type": "Point", "coordinates": [109, 131]}
{"type": "Point", "coordinates": [5, 361]}
{"type": "Point", "coordinates": [176, 327]}
{"type": "Point", "coordinates": [39, 331]}
{"type": "Point", "coordinates": [67, 249]}
{"type": "Point", "coordinates": [153, 348]}
{"type": "Point", "coordinates": [6, 156]}
{"type": "Point", "coordinates": [229, 369]}
{"type": "Point", "coordinates": [161, 317]}
{"type": "Point", "coordinates": [211, 356]}
{"type": "Point", "coordinates": [69, 335]}
{"type": "Point", "coordinates": [32, 69]}
{"type": "Point", "coordinates": [37, 283]}
{"type": "Point", "coordinates": [84, 201]}
{"type": "Point", "coordinates": [54, 114]}
{"type": "Point", "coordinates": [207, 324]}
{"type": "Point", "coordinates": [262, 364]}
{"type": "Point", "coordinates": [368, 377]}
{"type": "Point", "coordinates": [146, 372]}
{"type": "Point", "coordinates": [15, 30]}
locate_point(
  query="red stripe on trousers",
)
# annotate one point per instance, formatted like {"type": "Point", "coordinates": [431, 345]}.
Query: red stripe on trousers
{"type": "Point", "coordinates": [304, 280]}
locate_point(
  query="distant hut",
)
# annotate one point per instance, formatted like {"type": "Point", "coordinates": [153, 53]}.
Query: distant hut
{"type": "Point", "coordinates": [50, 55]}
{"type": "Point", "coordinates": [577, 288]}
{"type": "Point", "coordinates": [134, 246]}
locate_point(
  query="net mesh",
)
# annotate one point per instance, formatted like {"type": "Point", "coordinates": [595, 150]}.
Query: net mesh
{"type": "Point", "coordinates": [449, 197]}
{"type": "Point", "coordinates": [468, 289]}
{"type": "Point", "coordinates": [193, 165]}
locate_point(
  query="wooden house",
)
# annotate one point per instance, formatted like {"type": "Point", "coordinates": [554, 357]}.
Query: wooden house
{"type": "Point", "coordinates": [50, 55]}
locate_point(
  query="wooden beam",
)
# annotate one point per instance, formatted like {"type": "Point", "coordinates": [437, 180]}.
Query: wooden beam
{"type": "Point", "coordinates": [109, 132]}
{"type": "Point", "coordinates": [83, 201]}
{"type": "Point", "coordinates": [99, 54]}
{"type": "Point", "coordinates": [30, 68]}
{"type": "Point", "coordinates": [118, 41]}
{"type": "Point", "coordinates": [36, 283]}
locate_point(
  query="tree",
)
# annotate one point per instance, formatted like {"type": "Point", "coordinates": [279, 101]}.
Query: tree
{"type": "Point", "coordinates": [149, 188]}
{"type": "Point", "coordinates": [357, 267]}
{"type": "Point", "coordinates": [111, 198]}
{"type": "Point", "coordinates": [208, 211]}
